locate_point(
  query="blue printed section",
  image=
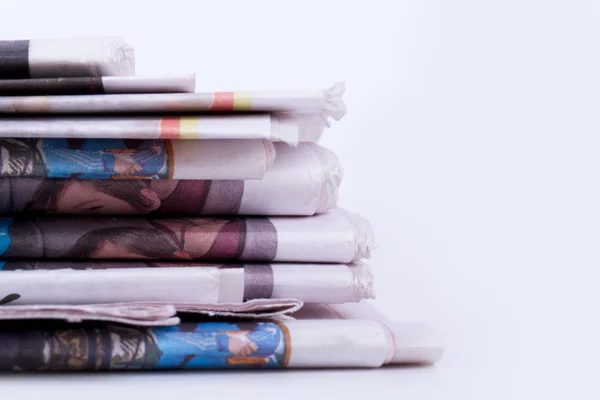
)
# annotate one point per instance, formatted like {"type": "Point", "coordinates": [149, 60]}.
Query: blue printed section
{"type": "Point", "coordinates": [104, 158]}
{"type": "Point", "coordinates": [2, 264]}
{"type": "Point", "coordinates": [221, 345]}
{"type": "Point", "coordinates": [4, 235]}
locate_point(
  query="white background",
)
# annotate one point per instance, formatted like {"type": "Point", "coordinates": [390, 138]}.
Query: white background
{"type": "Point", "coordinates": [471, 144]}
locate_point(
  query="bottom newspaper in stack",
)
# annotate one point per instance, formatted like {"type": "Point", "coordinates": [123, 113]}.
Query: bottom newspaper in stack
{"type": "Point", "coordinates": [349, 335]}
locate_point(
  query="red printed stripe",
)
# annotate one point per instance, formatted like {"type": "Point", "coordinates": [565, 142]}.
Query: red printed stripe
{"type": "Point", "coordinates": [223, 101]}
{"type": "Point", "coordinates": [170, 128]}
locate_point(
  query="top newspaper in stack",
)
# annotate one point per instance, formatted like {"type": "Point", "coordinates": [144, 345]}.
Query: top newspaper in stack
{"type": "Point", "coordinates": [59, 58]}
{"type": "Point", "coordinates": [103, 65]}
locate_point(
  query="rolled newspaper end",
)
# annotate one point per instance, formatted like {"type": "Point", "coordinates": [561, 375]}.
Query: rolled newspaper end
{"type": "Point", "coordinates": [135, 159]}
{"type": "Point", "coordinates": [361, 343]}
{"type": "Point", "coordinates": [229, 343]}
{"type": "Point", "coordinates": [416, 343]}
{"type": "Point", "coordinates": [326, 103]}
{"type": "Point", "coordinates": [273, 127]}
{"type": "Point", "coordinates": [334, 237]}
{"type": "Point", "coordinates": [75, 57]}
{"type": "Point", "coordinates": [98, 85]}
{"type": "Point", "coordinates": [331, 178]}
{"type": "Point", "coordinates": [407, 342]}
{"type": "Point", "coordinates": [63, 282]}
{"type": "Point", "coordinates": [334, 106]}
{"type": "Point", "coordinates": [302, 181]}
{"type": "Point", "coordinates": [322, 103]}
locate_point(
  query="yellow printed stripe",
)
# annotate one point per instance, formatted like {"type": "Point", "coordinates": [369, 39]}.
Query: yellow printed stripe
{"type": "Point", "coordinates": [242, 101]}
{"type": "Point", "coordinates": [188, 129]}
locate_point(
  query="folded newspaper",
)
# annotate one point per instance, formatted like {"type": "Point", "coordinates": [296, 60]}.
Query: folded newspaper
{"type": "Point", "coordinates": [122, 159]}
{"type": "Point", "coordinates": [336, 237]}
{"type": "Point", "coordinates": [324, 102]}
{"type": "Point", "coordinates": [76, 57]}
{"type": "Point", "coordinates": [98, 85]}
{"type": "Point", "coordinates": [302, 181]}
{"type": "Point", "coordinates": [93, 282]}
{"type": "Point", "coordinates": [150, 313]}
{"type": "Point", "coordinates": [347, 340]}
{"type": "Point", "coordinates": [291, 129]}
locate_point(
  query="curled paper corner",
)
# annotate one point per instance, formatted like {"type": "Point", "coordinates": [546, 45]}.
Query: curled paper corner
{"type": "Point", "coordinates": [270, 153]}
{"type": "Point", "coordinates": [311, 127]}
{"type": "Point", "coordinates": [416, 343]}
{"type": "Point", "coordinates": [120, 58]}
{"type": "Point", "coordinates": [191, 82]}
{"type": "Point", "coordinates": [334, 104]}
{"type": "Point", "coordinates": [364, 236]}
{"type": "Point", "coordinates": [331, 177]}
{"type": "Point", "coordinates": [289, 306]}
{"type": "Point", "coordinates": [254, 309]}
{"type": "Point", "coordinates": [362, 286]}
{"type": "Point", "coordinates": [289, 129]}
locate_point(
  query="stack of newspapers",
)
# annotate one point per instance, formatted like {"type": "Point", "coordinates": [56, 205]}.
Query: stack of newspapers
{"type": "Point", "coordinates": [148, 226]}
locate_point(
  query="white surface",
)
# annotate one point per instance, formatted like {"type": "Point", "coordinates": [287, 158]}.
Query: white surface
{"type": "Point", "coordinates": [471, 144]}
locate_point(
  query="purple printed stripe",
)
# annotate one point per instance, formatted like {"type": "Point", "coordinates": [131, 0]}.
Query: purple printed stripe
{"type": "Point", "coordinates": [261, 240]}
{"type": "Point", "coordinates": [258, 281]}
